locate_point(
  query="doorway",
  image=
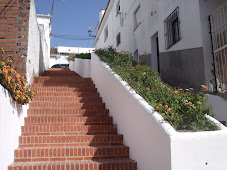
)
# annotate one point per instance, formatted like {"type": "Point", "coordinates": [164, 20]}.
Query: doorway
{"type": "Point", "coordinates": [155, 60]}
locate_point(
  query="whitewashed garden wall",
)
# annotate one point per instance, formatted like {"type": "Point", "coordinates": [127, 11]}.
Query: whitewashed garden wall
{"type": "Point", "coordinates": [81, 67]}
{"type": "Point", "coordinates": [153, 143]}
{"type": "Point", "coordinates": [11, 119]}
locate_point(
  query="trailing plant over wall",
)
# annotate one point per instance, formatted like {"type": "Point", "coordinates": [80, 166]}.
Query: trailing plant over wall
{"type": "Point", "coordinates": [81, 56]}
{"type": "Point", "coordinates": [182, 108]}
{"type": "Point", "coordinates": [15, 83]}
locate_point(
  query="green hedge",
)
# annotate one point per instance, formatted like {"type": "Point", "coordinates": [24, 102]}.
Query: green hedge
{"type": "Point", "coordinates": [81, 56]}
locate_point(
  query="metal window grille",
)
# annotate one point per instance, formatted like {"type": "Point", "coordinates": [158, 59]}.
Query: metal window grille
{"type": "Point", "coordinates": [137, 16]}
{"type": "Point", "coordinates": [118, 8]}
{"type": "Point", "coordinates": [106, 33]}
{"type": "Point", "coordinates": [218, 21]}
{"type": "Point", "coordinates": [172, 28]}
{"type": "Point", "coordinates": [118, 38]}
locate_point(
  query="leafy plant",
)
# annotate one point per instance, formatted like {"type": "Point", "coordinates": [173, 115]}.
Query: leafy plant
{"type": "Point", "coordinates": [84, 55]}
{"type": "Point", "coordinates": [81, 56]}
{"type": "Point", "coordinates": [183, 109]}
{"type": "Point", "coordinates": [14, 82]}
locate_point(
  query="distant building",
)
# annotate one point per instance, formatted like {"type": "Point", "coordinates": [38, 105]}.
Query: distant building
{"type": "Point", "coordinates": [59, 55]}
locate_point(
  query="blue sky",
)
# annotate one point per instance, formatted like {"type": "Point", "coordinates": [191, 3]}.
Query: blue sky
{"type": "Point", "coordinates": [72, 17]}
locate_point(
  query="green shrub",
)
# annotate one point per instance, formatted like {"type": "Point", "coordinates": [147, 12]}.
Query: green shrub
{"type": "Point", "coordinates": [84, 56]}
{"type": "Point", "coordinates": [81, 56]}
{"type": "Point", "coordinates": [183, 109]}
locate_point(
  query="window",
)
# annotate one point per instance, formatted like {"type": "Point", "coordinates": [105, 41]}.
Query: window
{"type": "Point", "coordinates": [118, 38]}
{"type": "Point", "coordinates": [106, 33]}
{"type": "Point", "coordinates": [137, 17]}
{"type": "Point", "coordinates": [118, 8]}
{"type": "Point", "coordinates": [172, 31]}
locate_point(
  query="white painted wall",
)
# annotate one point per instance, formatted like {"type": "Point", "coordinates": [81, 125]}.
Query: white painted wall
{"type": "Point", "coordinates": [219, 106]}
{"type": "Point", "coordinates": [34, 43]}
{"type": "Point", "coordinates": [194, 28]}
{"type": "Point", "coordinates": [81, 67]}
{"type": "Point", "coordinates": [140, 38]}
{"type": "Point", "coordinates": [11, 119]}
{"type": "Point", "coordinates": [141, 126]}
{"type": "Point", "coordinates": [38, 54]}
{"type": "Point", "coordinates": [153, 143]}
{"type": "Point", "coordinates": [199, 150]}
{"type": "Point", "coordinates": [44, 21]}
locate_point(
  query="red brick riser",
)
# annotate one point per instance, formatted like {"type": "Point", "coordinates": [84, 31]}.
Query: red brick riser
{"type": "Point", "coordinates": [68, 128]}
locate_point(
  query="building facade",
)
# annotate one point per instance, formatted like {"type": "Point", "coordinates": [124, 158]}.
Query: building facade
{"type": "Point", "coordinates": [172, 36]}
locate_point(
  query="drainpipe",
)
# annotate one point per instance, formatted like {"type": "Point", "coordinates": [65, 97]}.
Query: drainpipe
{"type": "Point", "coordinates": [211, 38]}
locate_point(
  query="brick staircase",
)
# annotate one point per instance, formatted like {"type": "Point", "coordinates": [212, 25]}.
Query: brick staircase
{"type": "Point", "coordinates": [68, 128]}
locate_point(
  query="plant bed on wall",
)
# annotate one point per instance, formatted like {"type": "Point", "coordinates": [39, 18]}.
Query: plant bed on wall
{"type": "Point", "coordinates": [81, 64]}
{"type": "Point", "coordinates": [154, 143]}
{"type": "Point", "coordinates": [183, 109]}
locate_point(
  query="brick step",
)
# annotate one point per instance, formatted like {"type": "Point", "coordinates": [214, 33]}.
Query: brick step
{"type": "Point", "coordinates": [67, 94]}
{"type": "Point", "coordinates": [66, 105]}
{"type": "Point", "coordinates": [63, 74]}
{"type": "Point", "coordinates": [79, 85]}
{"type": "Point", "coordinates": [65, 89]}
{"type": "Point", "coordinates": [112, 164]}
{"type": "Point", "coordinates": [76, 120]}
{"type": "Point", "coordinates": [68, 129]}
{"type": "Point", "coordinates": [37, 154]}
{"type": "Point", "coordinates": [62, 80]}
{"type": "Point", "coordinates": [67, 99]}
{"type": "Point", "coordinates": [67, 140]}
{"type": "Point", "coordinates": [67, 112]}
{"type": "Point", "coordinates": [65, 79]}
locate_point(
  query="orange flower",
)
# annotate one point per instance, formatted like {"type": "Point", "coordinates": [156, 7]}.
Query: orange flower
{"type": "Point", "coordinates": [158, 86]}
{"type": "Point", "coordinates": [166, 106]}
{"type": "Point", "coordinates": [132, 85]}
{"type": "Point", "coordinates": [199, 102]}
{"type": "Point", "coordinates": [148, 89]}
{"type": "Point", "coordinates": [175, 92]}
{"type": "Point", "coordinates": [157, 108]}
{"type": "Point", "coordinates": [204, 87]}
{"type": "Point", "coordinates": [163, 114]}
{"type": "Point", "coordinates": [160, 105]}
{"type": "Point", "coordinates": [169, 109]}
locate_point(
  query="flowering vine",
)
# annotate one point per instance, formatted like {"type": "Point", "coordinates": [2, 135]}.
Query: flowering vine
{"type": "Point", "coordinates": [14, 82]}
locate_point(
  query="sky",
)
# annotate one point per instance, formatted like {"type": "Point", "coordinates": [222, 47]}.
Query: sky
{"type": "Point", "coordinates": [72, 17]}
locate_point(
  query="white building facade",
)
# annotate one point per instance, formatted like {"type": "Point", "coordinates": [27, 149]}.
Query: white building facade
{"type": "Point", "coordinates": [175, 37]}
{"type": "Point", "coordinates": [60, 54]}
{"type": "Point", "coordinates": [172, 36]}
